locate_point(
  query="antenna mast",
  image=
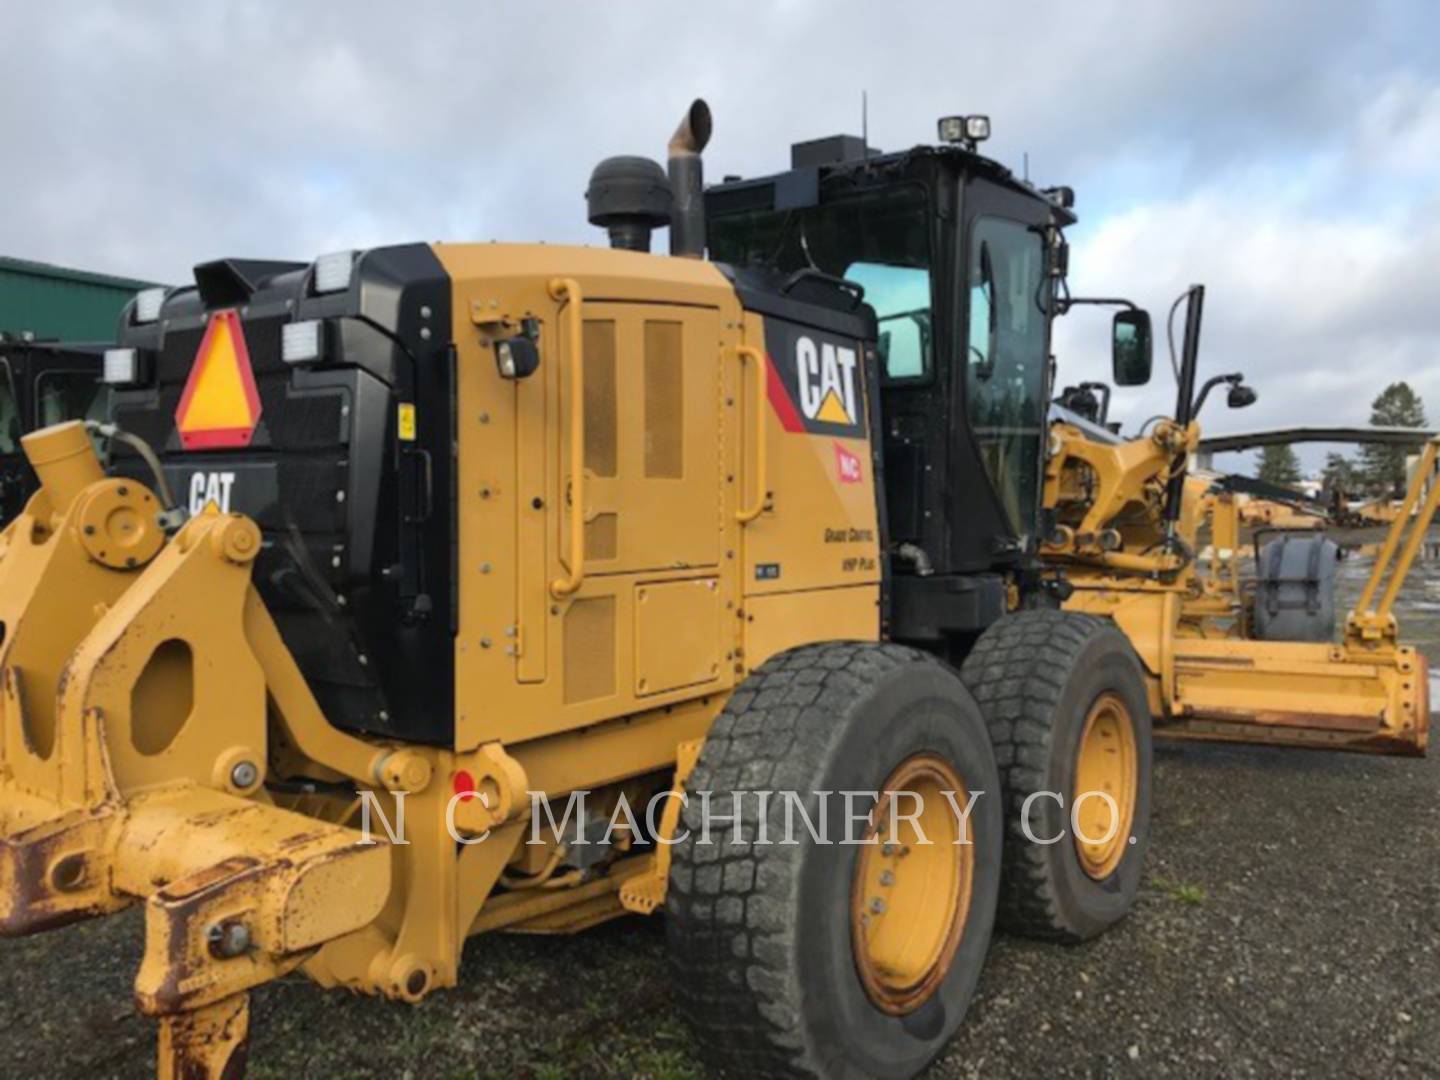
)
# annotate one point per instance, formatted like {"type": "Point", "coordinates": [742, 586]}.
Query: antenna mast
{"type": "Point", "coordinates": [864, 124]}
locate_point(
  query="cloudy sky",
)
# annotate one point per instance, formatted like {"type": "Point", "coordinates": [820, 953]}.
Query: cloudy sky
{"type": "Point", "coordinates": [1286, 154]}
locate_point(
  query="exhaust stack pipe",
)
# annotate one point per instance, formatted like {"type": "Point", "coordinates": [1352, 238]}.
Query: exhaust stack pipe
{"type": "Point", "coordinates": [687, 182]}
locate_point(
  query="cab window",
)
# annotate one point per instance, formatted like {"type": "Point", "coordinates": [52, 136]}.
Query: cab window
{"type": "Point", "coordinates": [900, 296]}
{"type": "Point", "coordinates": [1006, 361]}
{"type": "Point", "coordinates": [69, 395]}
{"type": "Point", "coordinates": [10, 430]}
{"type": "Point", "coordinates": [72, 395]}
{"type": "Point", "coordinates": [878, 239]}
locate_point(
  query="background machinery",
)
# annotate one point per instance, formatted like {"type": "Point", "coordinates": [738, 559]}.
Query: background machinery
{"type": "Point", "coordinates": [1228, 657]}
{"type": "Point", "coordinates": [41, 383]}
{"type": "Point", "coordinates": [425, 544]}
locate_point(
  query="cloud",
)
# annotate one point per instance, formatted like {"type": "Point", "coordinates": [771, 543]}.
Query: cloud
{"type": "Point", "coordinates": [1285, 155]}
{"type": "Point", "coordinates": [1320, 297]}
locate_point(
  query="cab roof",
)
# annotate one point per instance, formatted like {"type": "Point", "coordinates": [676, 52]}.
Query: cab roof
{"type": "Point", "coordinates": [846, 157]}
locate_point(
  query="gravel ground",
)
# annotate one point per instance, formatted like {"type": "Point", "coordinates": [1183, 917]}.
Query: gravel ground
{"type": "Point", "coordinates": [1289, 927]}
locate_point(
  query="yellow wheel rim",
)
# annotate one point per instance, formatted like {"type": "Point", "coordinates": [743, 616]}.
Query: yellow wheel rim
{"type": "Point", "coordinates": [911, 891]}
{"type": "Point", "coordinates": [1103, 803]}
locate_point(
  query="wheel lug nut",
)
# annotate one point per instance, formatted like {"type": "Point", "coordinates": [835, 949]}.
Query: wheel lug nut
{"type": "Point", "coordinates": [887, 878]}
{"type": "Point", "coordinates": [877, 906]}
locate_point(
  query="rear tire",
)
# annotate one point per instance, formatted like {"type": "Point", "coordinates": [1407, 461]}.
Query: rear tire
{"type": "Point", "coordinates": [773, 961]}
{"type": "Point", "coordinates": [1044, 679]}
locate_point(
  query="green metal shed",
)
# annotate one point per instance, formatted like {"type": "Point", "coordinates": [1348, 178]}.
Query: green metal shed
{"type": "Point", "coordinates": [53, 302]}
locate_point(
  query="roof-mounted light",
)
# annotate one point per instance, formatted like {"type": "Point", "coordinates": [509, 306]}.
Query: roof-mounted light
{"type": "Point", "coordinates": [148, 303]}
{"type": "Point", "coordinates": [333, 271]}
{"type": "Point", "coordinates": [964, 130]}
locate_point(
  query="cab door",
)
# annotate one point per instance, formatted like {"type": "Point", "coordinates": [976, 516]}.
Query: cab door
{"type": "Point", "coordinates": [1006, 347]}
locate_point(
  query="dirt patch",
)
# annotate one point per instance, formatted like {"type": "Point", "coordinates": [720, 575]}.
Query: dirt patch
{"type": "Point", "coordinates": [1289, 928]}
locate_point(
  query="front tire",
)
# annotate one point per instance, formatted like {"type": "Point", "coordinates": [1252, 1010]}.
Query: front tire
{"type": "Point", "coordinates": [1064, 696]}
{"type": "Point", "coordinates": [788, 957]}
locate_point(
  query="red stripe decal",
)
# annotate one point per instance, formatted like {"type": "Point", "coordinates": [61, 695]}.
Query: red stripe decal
{"type": "Point", "coordinates": [780, 399]}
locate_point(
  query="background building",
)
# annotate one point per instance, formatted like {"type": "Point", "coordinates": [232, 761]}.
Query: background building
{"type": "Point", "coordinates": [56, 303]}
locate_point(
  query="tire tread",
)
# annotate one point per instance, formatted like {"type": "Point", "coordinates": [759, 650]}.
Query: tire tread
{"type": "Point", "coordinates": [1018, 671]}
{"type": "Point", "coordinates": [732, 910]}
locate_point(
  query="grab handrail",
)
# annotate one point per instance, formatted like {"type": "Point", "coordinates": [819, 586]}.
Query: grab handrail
{"type": "Point", "coordinates": [567, 292]}
{"type": "Point", "coordinates": [756, 359]}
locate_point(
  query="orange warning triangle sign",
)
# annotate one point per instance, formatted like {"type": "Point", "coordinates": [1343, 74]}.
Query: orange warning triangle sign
{"type": "Point", "coordinates": [220, 406]}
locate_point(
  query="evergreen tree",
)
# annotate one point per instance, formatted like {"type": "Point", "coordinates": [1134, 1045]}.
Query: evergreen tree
{"type": "Point", "coordinates": [1382, 468]}
{"type": "Point", "coordinates": [1339, 474]}
{"type": "Point", "coordinates": [1279, 465]}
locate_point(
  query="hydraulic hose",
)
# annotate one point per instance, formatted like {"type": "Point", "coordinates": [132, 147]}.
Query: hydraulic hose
{"type": "Point", "coordinates": [171, 516]}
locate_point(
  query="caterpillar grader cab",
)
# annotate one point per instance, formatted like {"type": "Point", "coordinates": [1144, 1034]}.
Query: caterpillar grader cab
{"type": "Point", "coordinates": [41, 383]}
{"type": "Point", "coordinates": [434, 590]}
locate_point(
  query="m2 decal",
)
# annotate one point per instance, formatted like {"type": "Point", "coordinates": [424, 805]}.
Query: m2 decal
{"type": "Point", "coordinates": [815, 381]}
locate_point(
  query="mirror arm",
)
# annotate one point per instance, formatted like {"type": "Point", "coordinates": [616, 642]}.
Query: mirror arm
{"type": "Point", "coordinates": [1210, 384]}
{"type": "Point", "coordinates": [1099, 301]}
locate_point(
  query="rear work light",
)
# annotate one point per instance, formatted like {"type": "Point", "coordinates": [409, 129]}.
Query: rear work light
{"type": "Point", "coordinates": [302, 342]}
{"type": "Point", "coordinates": [123, 367]}
{"type": "Point", "coordinates": [148, 303]}
{"type": "Point", "coordinates": [332, 272]}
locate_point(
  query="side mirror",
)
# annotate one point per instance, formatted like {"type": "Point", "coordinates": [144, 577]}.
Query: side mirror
{"type": "Point", "coordinates": [517, 357]}
{"type": "Point", "coordinates": [1130, 347]}
{"type": "Point", "coordinates": [1240, 396]}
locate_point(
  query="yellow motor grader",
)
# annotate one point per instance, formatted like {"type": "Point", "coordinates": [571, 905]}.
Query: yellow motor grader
{"type": "Point", "coordinates": [1129, 521]}
{"type": "Point", "coordinates": [440, 589]}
